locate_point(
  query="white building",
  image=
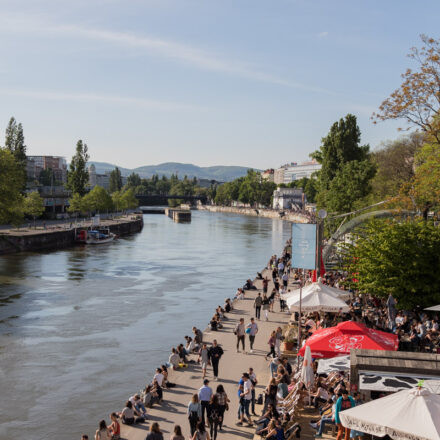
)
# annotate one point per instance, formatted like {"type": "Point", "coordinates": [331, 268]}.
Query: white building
{"type": "Point", "coordinates": [293, 171]}
{"type": "Point", "coordinates": [95, 179]}
{"type": "Point", "coordinates": [288, 198]}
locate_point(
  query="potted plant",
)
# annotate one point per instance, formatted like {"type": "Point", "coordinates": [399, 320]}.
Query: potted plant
{"type": "Point", "coordinates": [290, 336]}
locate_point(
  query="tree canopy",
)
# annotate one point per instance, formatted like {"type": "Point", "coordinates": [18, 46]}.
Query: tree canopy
{"type": "Point", "coordinates": [347, 169]}
{"type": "Point", "coordinates": [78, 176]}
{"type": "Point", "coordinates": [115, 180]}
{"type": "Point", "coordinates": [399, 257]}
{"type": "Point", "coordinates": [11, 200]}
{"type": "Point", "coordinates": [14, 142]}
{"type": "Point", "coordinates": [34, 205]}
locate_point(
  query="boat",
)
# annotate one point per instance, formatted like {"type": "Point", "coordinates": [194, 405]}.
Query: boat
{"type": "Point", "coordinates": [95, 236]}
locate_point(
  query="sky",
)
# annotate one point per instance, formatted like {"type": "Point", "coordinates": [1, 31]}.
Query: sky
{"type": "Point", "coordinates": [212, 82]}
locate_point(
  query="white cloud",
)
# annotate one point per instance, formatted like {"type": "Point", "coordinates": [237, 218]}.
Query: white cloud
{"type": "Point", "coordinates": [159, 47]}
{"type": "Point", "coordinates": [49, 95]}
{"type": "Point", "coordinates": [322, 34]}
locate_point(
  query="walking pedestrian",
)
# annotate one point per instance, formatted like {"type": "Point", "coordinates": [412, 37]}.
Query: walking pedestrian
{"type": "Point", "coordinates": [203, 359]}
{"type": "Point", "coordinates": [245, 399]}
{"type": "Point", "coordinates": [257, 304]}
{"type": "Point", "coordinates": [215, 353]}
{"type": "Point", "coordinates": [265, 284]}
{"type": "Point", "coordinates": [285, 279]}
{"type": "Point", "coordinates": [223, 401]}
{"type": "Point", "coordinates": [240, 332]}
{"type": "Point", "coordinates": [214, 416]}
{"type": "Point", "coordinates": [252, 330]}
{"type": "Point", "coordinates": [201, 433]}
{"type": "Point", "coordinates": [194, 413]}
{"type": "Point", "coordinates": [205, 394]}
{"type": "Point", "coordinates": [272, 299]}
{"type": "Point", "coordinates": [271, 343]}
{"type": "Point", "coordinates": [253, 379]}
{"type": "Point", "coordinates": [266, 307]}
{"type": "Point", "coordinates": [278, 338]}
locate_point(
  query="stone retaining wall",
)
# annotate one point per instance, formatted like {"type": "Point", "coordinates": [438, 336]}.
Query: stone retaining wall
{"type": "Point", "coordinates": [269, 213]}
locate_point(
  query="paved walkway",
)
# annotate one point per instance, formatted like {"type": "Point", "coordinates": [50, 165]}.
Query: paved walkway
{"type": "Point", "coordinates": [232, 365]}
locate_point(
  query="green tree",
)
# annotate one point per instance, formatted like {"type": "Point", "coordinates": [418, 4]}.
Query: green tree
{"type": "Point", "coordinates": [115, 180]}
{"type": "Point", "coordinates": [78, 176]}
{"type": "Point", "coordinates": [75, 204]}
{"type": "Point", "coordinates": [395, 165]}
{"type": "Point", "coordinates": [128, 200]}
{"type": "Point", "coordinates": [397, 257]}
{"type": "Point", "coordinates": [340, 154]}
{"type": "Point", "coordinates": [34, 205]}
{"type": "Point", "coordinates": [98, 199]}
{"type": "Point", "coordinates": [14, 142]}
{"type": "Point", "coordinates": [117, 200]}
{"type": "Point", "coordinates": [11, 200]}
{"type": "Point", "coordinates": [133, 180]}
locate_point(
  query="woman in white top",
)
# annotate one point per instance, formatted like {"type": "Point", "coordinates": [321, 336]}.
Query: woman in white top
{"type": "Point", "coordinates": [102, 433]}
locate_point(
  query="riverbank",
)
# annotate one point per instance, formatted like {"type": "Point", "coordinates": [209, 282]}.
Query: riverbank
{"type": "Point", "coordinates": [62, 235]}
{"type": "Point", "coordinates": [232, 365]}
{"type": "Point", "coordinates": [267, 213]}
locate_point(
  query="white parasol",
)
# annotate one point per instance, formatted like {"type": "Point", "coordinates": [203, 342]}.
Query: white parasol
{"type": "Point", "coordinates": [406, 415]}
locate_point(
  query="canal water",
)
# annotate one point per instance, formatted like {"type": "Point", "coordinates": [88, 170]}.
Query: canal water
{"type": "Point", "coordinates": [82, 328]}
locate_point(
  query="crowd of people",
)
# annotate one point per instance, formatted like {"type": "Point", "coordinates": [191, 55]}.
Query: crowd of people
{"type": "Point", "coordinates": [285, 393]}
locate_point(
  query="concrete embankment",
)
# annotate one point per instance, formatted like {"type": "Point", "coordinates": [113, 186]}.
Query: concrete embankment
{"type": "Point", "coordinates": [254, 212]}
{"type": "Point", "coordinates": [61, 236]}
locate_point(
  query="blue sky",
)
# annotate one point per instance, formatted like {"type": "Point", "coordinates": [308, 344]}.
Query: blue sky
{"type": "Point", "coordinates": [233, 82]}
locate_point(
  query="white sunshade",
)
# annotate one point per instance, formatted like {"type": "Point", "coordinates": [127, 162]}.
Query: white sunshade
{"type": "Point", "coordinates": [316, 300]}
{"type": "Point", "coordinates": [406, 415]}
{"type": "Point", "coordinates": [315, 287]}
{"type": "Point", "coordinates": [434, 308]}
{"type": "Point", "coordinates": [307, 374]}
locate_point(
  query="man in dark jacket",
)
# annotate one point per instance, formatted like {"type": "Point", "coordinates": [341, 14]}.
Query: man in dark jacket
{"type": "Point", "coordinates": [215, 353]}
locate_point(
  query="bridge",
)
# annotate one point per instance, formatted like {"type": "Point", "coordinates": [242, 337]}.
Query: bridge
{"type": "Point", "coordinates": [156, 200]}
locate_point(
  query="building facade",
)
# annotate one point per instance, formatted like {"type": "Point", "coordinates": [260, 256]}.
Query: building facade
{"type": "Point", "coordinates": [268, 175]}
{"type": "Point", "coordinates": [293, 171]}
{"type": "Point", "coordinates": [36, 164]}
{"type": "Point", "coordinates": [288, 198]}
{"type": "Point", "coordinates": [102, 180]}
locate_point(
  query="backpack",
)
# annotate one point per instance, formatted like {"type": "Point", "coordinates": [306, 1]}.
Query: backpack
{"type": "Point", "coordinates": [260, 399]}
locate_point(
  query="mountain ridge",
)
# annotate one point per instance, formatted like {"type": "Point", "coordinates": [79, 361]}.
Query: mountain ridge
{"type": "Point", "coordinates": [222, 173]}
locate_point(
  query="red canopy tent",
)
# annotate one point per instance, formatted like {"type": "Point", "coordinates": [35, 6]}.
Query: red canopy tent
{"type": "Point", "coordinates": [339, 340]}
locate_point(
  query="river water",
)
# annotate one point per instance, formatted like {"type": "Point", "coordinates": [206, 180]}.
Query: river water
{"type": "Point", "coordinates": [82, 328]}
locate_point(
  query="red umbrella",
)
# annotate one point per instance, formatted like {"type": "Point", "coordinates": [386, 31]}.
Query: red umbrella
{"type": "Point", "coordinates": [339, 340]}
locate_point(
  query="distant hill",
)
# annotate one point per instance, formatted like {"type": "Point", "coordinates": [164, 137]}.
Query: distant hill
{"type": "Point", "coordinates": [220, 173]}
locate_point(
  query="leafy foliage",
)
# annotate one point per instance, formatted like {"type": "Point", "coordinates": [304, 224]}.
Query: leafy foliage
{"type": "Point", "coordinates": [115, 180]}
{"type": "Point", "coordinates": [98, 200]}
{"type": "Point", "coordinates": [347, 168]}
{"type": "Point", "coordinates": [398, 257]}
{"type": "Point", "coordinates": [34, 205]}
{"type": "Point", "coordinates": [251, 189]}
{"type": "Point", "coordinates": [417, 100]}
{"type": "Point", "coordinates": [395, 165]}
{"type": "Point", "coordinates": [78, 176]}
{"type": "Point", "coordinates": [14, 142]}
{"type": "Point", "coordinates": [11, 200]}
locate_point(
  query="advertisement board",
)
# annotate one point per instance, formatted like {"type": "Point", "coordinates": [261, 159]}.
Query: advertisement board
{"type": "Point", "coordinates": [304, 246]}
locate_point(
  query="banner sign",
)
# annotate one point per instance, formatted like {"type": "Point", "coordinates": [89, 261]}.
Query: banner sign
{"type": "Point", "coordinates": [304, 246]}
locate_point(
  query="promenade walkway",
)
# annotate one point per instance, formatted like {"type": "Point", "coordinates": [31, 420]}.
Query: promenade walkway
{"type": "Point", "coordinates": [232, 365]}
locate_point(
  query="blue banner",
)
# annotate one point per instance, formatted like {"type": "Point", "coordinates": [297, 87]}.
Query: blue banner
{"type": "Point", "coordinates": [304, 246]}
